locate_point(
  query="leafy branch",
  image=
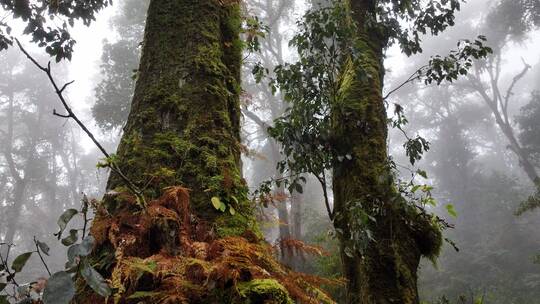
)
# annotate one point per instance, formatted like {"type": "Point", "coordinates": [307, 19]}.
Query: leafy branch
{"type": "Point", "coordinates": [457, 63]}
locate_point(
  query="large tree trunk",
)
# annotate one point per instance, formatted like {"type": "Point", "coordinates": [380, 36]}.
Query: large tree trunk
{"type": "Point", "coordinates": [385, 269]}
{"type": "Point", "coordinates": [182, 136]}
{"type": "Point", "coordinates": [297, 200]}
{"type": "Point", "coordinates": [183, 127]}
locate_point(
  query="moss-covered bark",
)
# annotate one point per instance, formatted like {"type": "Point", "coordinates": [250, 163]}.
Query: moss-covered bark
{"type": "Point", "coordinates": [183, 127]}
{"type": "Point", "coordinates": [181, 146]}
{"type": "Point", "coordinates": [386, 270]}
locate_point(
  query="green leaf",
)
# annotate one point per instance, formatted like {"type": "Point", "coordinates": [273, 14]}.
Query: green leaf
{"type": "Point", "coordinates": [71, 238]}
{"type": "Point", "coordinates": [231, 210]}
{"type": "Point", "coordinates": [43, 247]}
{"type": "Point", "coordinates": [60, 289]}
{"type": "Point", "coordinates": [95, 281]}
{"type": "Point", "coordinates": [80, 250]}
{"type": "Point", "coordinates": [64, 219]}
{"type": "Point", "coordinates": [450, 209]}
{"type": "Point", "coordinates": [222, 207]}
{"type": "Point", "coordinates": [422, 173]}
{"type": "Point", "coordinates": [86, 245]}
{"type": "Point", "coordinates": [216, 202]}
{"type": "Point", "coordinates": [20, 261]}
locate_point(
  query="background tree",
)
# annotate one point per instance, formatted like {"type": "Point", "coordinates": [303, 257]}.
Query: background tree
{"type": "Point", "coordinates": [338, 121]}
{"type": "Point", "coordinates": [473, 169]}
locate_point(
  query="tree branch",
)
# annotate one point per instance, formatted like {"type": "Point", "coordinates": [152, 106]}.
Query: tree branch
{"type": "Point", "coordinates": [59, 92]}
{"type": "Point", "coordinates": [256, 119]}
{"type": "Point", "coordinates": [414, 76]}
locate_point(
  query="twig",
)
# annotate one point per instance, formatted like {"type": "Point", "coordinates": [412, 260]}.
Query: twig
{"type": "Point", "coordinates": [41, 256]}
{"type": "Point", "coordinates": [4, 263]}
{"type": "Point", "coordinates": [59, 92]}
{"type": "Point", "coordinates": [413, 77]}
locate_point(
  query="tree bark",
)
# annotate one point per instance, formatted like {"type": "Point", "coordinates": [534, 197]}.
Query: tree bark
{"type": "Point", "coordinates": [385, 270]}
{"type": "Point", "coordinates": [184, 130]}
{"type": "Point", "coordinates": [184, 123]}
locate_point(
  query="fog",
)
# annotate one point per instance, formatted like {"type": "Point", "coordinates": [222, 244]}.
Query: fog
{"type": "Point", "coordinates": [479, 128]}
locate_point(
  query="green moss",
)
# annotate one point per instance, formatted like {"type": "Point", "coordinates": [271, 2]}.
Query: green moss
{"type": "Point", "coordinates": [185, 116]}
{"type": "Point", "coordinates": [263, 291]}
{"type": "Point", "coordinates": [387, 267]}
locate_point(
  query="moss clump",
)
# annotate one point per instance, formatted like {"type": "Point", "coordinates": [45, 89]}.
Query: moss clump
{"type": "Point", "coordinates": [263, 291]}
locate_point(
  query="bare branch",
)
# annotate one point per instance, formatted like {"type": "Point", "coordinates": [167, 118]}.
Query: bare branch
{"type": "Point", "coordinates": [515, 80]}
{"type": "Point", "coordinates": [256, 119]}
{"type": "Point", "coordinates": [71, 114]}
{"type": "Point", "coordinates": [60, 115]}
{"type": "Point", "coordinates": [414, 76]}
{"type": "Point", "coordinates": [66, 85]}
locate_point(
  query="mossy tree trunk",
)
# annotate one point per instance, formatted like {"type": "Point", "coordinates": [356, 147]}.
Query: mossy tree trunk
{"type": "Point", "coordinates": [184, 124]}
{"type": "Point", "coordinates": [183, 132]}
{"type": "Point", "coordinates": [385, 271]}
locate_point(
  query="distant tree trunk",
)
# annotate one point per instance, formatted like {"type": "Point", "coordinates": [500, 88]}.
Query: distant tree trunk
{"type": "Point", "coordinates": [20, 182]}
{"type": "Point", "coordinates": [386, 270]}
{"type": "Point", "coordinates": [15, 211]}
{"type": "Point", "coordinates": [296, 215]}
{"type": "Point", "coordinates": [183, 130]}
{"type": "Point", "coordinates": [499, 107]}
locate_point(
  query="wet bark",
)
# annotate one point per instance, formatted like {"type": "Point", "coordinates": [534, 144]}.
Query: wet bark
{"type": "Point", "coordinates": [385, 271]}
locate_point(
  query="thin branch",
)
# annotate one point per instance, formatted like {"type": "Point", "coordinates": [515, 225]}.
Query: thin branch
{"type": "Point", "coordinates": [41, 256]}
{"type": "Point", "coordinates": [4, 263]}
{"type": "Point", "coordinates": [515, 80]}
{"type": "Point", "coordinates": [66, 85]}
{"type": "Point", "coordinates": [60, 115]}
{"type": "Point", "coordinates": [59, 92]}
{"type": "Point", "coordinates": [256, 119]}
{"type": "Point", "coordinates": [414, 76]}
{"type": "Point", "coordinates": [71, 114]}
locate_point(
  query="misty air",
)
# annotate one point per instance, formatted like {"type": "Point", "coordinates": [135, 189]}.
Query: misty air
{"type": "Point", "coordinates": [270, 151]}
